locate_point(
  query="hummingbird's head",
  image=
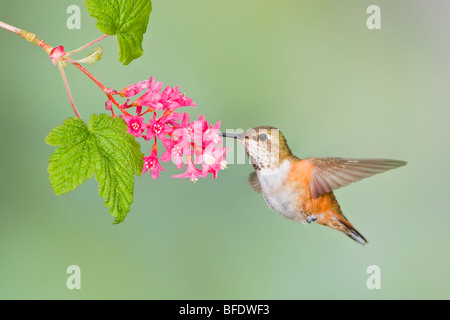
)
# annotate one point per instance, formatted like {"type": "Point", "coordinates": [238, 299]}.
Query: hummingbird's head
{"type": "Point", "coordinates": [266, 146]}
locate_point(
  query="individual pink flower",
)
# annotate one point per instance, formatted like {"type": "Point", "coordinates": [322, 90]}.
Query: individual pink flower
{"type": "Point", "coordinates": [155, 86]}
{"type": "Point", "coordinates": [212, 134]}
{"type": "Point", "coordinates": [57, 54]}
{"type": "Point", "coordinates": [169, 98]}
{"type": "Point", "coordinates": [135, 124]}
{"type": "Point", "coordinates": [174, 151]}
{"type": "Point", "coordinates": [192, 172]}
{"type": "Point", "coordinates": [191, 131]}
{"type": "Point", "coordinates": [151, 98]}
{"type": "Point", "coordinates": [174, 119]}
{"type": "Point", "coordinates": [179, 132]}
{"type": "Point", "coordinates": [186, 101]}
{"type": "Point", "coordinates": [152, 163]}
{"type": "Point", "coordinates": [212, 159]}
{"type": "Point", "coordinates": [134, 89]}
{"type": "Point", "coordinates": [172, 99]}
{"type": "Point", "coordinates": [158, 127]}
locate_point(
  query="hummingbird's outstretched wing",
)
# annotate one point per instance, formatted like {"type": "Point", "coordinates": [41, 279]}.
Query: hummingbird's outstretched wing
{"type": "Point", "coordinates": [333, 173]}
{"type": "Point", "coordinates": [254, 182]}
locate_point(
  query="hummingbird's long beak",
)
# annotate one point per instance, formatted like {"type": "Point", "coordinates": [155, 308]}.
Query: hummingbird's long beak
{"type": "Point", "coordinates": [230, 135]}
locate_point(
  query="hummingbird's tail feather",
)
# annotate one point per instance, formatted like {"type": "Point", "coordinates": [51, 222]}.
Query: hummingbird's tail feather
{"type": "Point", "coordinates": [328, 213]}
{"type": "Point", "coordinates": [337, 221]}
{"type": "Point", "coordinates": [351, 232]}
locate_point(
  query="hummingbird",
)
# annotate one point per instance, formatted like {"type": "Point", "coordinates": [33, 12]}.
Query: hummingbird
{"type": "Point", "coordinates": [302, 189]}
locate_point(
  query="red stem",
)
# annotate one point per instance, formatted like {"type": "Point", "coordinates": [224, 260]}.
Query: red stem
{"type": "Point", "coordinates": [31, 37]}
{"type": "Point", "coordinates": [104, 89]}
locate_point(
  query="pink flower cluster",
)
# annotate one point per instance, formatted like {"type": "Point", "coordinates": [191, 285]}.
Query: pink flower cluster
{"type": "Point", "coordinates": [195, 143]}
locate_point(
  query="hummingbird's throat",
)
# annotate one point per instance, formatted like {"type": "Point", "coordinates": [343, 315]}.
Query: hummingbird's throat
{"type": "Point", "coordinates": [263, 155]}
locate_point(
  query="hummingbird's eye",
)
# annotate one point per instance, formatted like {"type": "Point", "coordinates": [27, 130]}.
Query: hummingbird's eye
{"type": "Point", "coordinates": [262, 137]}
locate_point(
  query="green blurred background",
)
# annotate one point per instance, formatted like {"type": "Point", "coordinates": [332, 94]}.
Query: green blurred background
{"type": "Point", "coordinates": [311, 68]}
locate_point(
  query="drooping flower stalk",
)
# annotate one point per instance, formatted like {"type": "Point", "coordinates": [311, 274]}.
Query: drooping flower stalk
{"type": "Point", "coordinates": [104, 89]}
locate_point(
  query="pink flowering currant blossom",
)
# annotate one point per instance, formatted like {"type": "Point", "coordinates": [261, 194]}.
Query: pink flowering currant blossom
{"type": "Point", "coordinates": [151, 98]}
{"type": "Point", "coordinates": [169, 98]}
{"type": "Point", "coordinates": [57, 54]}
{"type": "Point", "coordinates": [175, 151]}
{"type": "Point", "coordinates": [195, 143]}
{"type": "Point", "coordinates": [191, 131]}
{"type": "Point", "coordinates": [134, 89]}
{"type": "Point", "coordinates": [212, 134]}
{"type": "Point", "coordinates": [135, 125]}
{"type": "Point", "coordinates": [192, 172]}
{"type": "Point", "coordinates": [212, 159]}
{"type": "Point", "coordinates": [152, 163]}
{"type": "Point", "coordinates": [172, 99]}
{"type": "Point", "coordinates": [174, 118]}
{"type": "Point", "coordinates": [185, 101]}
{"type": "Point", "coordinates": [158, 127]}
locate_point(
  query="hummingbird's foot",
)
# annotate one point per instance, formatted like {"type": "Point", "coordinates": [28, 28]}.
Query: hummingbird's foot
{"type": "Point", "coordinates": [311, 218]}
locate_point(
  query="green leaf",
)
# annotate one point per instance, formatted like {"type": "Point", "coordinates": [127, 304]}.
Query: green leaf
{"type": "Point", "coordinates": [117, 159]}
{"type": "Point", "coordinates": [128, 19]}
{"type": "Point", "coordinates": [72, 163]}
{"type": "Point", "coordinates": [103, 148]}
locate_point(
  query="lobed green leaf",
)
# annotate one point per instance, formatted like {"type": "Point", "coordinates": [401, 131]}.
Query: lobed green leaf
{"type": "Point", "coordinates": [72, 162]}
{"type": "Point", "coordinates": [128, 19]}
{"type": "Point", "coordinates": [103, 148]}
{"type": "Point", "coordinates": [118, 158]}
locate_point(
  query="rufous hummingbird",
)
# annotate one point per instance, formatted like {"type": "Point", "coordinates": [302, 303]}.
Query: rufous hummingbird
{"type": "Point", "coordinates": [302, 189]}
